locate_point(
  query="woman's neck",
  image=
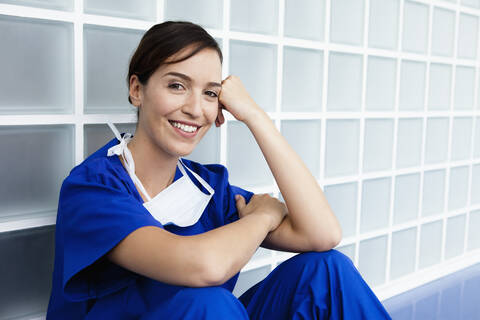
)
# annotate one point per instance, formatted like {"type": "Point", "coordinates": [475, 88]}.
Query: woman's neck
{"type": "Point", "coordinates": [154, 168]}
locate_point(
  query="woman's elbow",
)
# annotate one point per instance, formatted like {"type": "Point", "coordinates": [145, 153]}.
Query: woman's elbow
{"type": "Point", "coordinates": [214, 273]}
{"type": "Point", "coordinates": [330, 240]}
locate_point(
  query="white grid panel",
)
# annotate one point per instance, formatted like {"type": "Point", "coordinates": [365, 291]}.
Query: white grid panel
{"type": "Point", "coordinates": [387, 287]}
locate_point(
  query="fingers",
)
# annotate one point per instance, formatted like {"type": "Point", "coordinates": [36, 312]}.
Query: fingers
{"type": "Point", "coordinates": [240, 202]}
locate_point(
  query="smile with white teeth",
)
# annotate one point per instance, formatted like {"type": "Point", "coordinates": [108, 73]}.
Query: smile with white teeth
{"type": "Point", "coordinates": [184, 127]}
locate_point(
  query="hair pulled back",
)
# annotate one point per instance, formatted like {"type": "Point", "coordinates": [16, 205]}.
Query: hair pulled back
{"type": "Point", "coordinates": [164, 40]}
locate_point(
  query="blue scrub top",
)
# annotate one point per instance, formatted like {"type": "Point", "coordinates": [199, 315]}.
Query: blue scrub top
{"type": "Point", "coordinates": [99, 206]}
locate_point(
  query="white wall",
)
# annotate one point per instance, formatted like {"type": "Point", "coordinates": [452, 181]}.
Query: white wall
{"type": "Point", "coordinates": [379, 97]}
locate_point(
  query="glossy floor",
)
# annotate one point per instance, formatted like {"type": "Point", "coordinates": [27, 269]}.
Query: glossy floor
{"type": "Point", "coordinates": [454, 297]}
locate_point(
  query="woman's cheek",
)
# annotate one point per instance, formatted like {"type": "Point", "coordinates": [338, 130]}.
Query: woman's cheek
{"type": "Point", "coordinates": [170, 104]}
{"type": "Point", "coordinates": [212, 112]}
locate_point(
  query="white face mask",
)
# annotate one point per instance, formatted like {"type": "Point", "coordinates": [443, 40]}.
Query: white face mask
{"type": "Point", "coordinates": [181, 203]}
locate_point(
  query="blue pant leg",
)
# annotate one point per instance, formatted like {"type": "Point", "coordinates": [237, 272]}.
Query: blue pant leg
{"type": "Point", "coordinates": [313, 285]}
{"type": "Point", "coordinates": [206, 303]}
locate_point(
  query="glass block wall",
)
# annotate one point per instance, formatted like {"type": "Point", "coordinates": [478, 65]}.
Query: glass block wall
{"type": "Point", "coordinates": [378, 97]}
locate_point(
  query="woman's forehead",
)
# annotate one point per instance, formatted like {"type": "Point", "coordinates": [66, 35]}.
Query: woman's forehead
{"type": "Point", "coordinates": [203, 64]}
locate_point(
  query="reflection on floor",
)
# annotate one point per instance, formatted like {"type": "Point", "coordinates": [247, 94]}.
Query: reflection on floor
{"type": "Point", "coordinates": [456, 296]}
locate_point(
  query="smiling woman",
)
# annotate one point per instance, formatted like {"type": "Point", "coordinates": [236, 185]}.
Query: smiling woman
{"type": "Point", "coordinates": [144, 234]}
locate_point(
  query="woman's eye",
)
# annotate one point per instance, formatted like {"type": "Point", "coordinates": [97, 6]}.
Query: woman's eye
{"type": "Point", "coordinates": [175, 86]}
{"type": "Point", "coordinates": [212, 94]}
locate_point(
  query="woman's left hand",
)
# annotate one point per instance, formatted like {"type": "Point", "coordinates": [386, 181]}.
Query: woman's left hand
{"type": "Point", "coordinates": [236, 100]}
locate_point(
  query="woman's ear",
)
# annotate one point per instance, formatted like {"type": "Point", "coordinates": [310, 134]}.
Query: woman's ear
{"type": "Point", "coordinates": [220, 118]}
{"type": "Point", "coordinates": [135, 91]}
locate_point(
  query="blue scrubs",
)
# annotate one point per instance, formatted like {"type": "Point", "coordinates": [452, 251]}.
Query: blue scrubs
{"type": "Point", "coordinates": [99, 206]}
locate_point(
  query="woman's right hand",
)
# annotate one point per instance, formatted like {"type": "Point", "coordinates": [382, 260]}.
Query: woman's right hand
{"type": "Point", "coordinates": [262, 204]}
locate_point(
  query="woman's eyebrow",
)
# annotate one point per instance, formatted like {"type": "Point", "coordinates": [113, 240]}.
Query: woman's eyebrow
{"type": "Point", "coordinates": [188, 79]}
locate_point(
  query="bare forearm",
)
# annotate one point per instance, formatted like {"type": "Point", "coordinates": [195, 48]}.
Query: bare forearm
{"type": "Point", "coordinates": [231, 246]}
{"type": "Point", "coordinates": [308, 208]}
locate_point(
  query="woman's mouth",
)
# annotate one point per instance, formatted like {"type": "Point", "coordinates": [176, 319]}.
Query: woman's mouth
{"type": "Point", "coordinates": [185, 130]}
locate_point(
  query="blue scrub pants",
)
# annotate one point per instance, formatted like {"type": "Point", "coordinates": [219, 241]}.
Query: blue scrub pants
{"type": "Point", "coordinates": [311, 285]}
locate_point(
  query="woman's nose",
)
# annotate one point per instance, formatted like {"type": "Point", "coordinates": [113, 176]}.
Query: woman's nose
{"type": "Point", "coordinates": [193, 105]}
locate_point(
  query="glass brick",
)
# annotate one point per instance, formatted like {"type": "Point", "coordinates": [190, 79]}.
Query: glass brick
{"type": "Point", "coordinates": [475, 191]}
{"type": "Point", "coordinates": [372, 260]}
{"type": "Point", "coordinates": [107, 54]}
{"type": "Point", "coordinates": [375, 204]}
{"type": "Point", "coordinates": [97, 135]}
{"type": "Point", "coordinates": [248, 279]}
{"type": "Point", "coordinates": [344, 82]}
{"type": "Point", "coordinates": [476, 153]}
{"type": "Point", "coordinates": [245, 161]}
{"type": "Point", "coordinates": [464, 88]}
{"type": "Point", "coordinates": [208, 149]}
{"type": "Point", "coordinates": [407, 191]}
{"type": "Point", "coordinates": [437, 140]}
{"type": "Point", "coordinates": [37, 56]}
{"type": "Point", "coordinates": [341, 147]}
{"type": "Point", "coordinates": [467, 36]}
{"type": "Point", "coordinates": [346, 25]}
{"type": "Point", "coordinates": [402, 260]}
{"type": "Point", "coordinates": [409, 142]}
{"type": "Point", "coordinates": [35, 160]}
{"type": "Point", "coordinates": [255, 63]}
{"type": "Point", "coordinates": [455, 236]}
{"type": "Point", "coordinates": [471, 3]}
{"type": "Point", "coordinates": [415, 27]}
{"type": "Point", "coordinates": [458, 187]}
{"type": "Point", "coordinates": [302, 80]}
{"type": "Point", "coordinates": [381, 76]}
{"type": "Point", "coordinates": [46, 4]}
{"type": "Point", "coordinates": [342, 198]}
{"type": "Point", "coordinates": [412, 85]}
{"type": "Point", "coordinates": [433, 192]}
{"type": "Point", "coordinates": [306, 21]}
{"type": "Point", "coordinates": [261, 253]}
{"type": "Point", "coordinates": [430, 244]}
{"type": "Point", "coordinates": [443, 32]}
{"type": "Point", "coordinates": [440, 84]}
{"type": "Point", "coordinates": [348, 250]}
{"type": "Point", "coordinates": [143, 9]}
{"type": "Point", "coordinates": [26, 274]}
{"type": "Point", "coordinates": [207, 13]}
{"type": "Point", "coordinates": [377, 154]}
{"type": "Point", "coordinates": [304, 137]}
{"type": "Point", "coordinates": [473, 227]}
{"type": "Point", "coordinates": [461, 138]}
{"type": "Point", "coordinates": [254, 16]}
{"type": "Point", "coordinates": [383, 24]}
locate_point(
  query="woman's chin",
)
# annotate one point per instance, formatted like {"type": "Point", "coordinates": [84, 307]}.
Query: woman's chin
{"type": "Point", "coordinates": [182, 152]}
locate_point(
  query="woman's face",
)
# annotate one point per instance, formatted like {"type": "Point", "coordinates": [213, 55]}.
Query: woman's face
{"type": "Point", "coordinates": [179, 103]}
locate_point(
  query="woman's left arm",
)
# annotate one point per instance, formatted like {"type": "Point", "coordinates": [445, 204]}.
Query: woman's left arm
{"type": "Point", "coordinates": [310, 224]}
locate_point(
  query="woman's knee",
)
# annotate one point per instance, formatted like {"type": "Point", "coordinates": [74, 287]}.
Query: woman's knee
{"type": "Point", "coordinates": [330, 257]}
{"type": "Point", "coordinates": [213, 300]}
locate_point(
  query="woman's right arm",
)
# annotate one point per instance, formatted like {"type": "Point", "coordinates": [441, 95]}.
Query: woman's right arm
{"type": "Point", "coordinates": [206, 259]}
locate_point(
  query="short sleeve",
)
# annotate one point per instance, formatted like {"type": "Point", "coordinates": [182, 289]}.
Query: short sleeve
{"type": "Point", "coordinates": [93, 218]}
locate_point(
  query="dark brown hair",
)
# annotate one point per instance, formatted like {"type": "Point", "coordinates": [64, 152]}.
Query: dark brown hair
{"type": "Point", "coordinates": [164, 40]}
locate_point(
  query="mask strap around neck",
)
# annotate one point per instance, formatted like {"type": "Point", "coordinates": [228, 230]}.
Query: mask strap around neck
{"type": "Point", "coordinates": [128, 158]}
{"type": "Point", "coordinates": [115, 131]}
{"type": "Point", "coordinates": [202, 182]}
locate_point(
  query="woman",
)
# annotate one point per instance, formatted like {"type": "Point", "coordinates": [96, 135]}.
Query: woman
{"type": "Point", "coordinates": [143, 234]}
